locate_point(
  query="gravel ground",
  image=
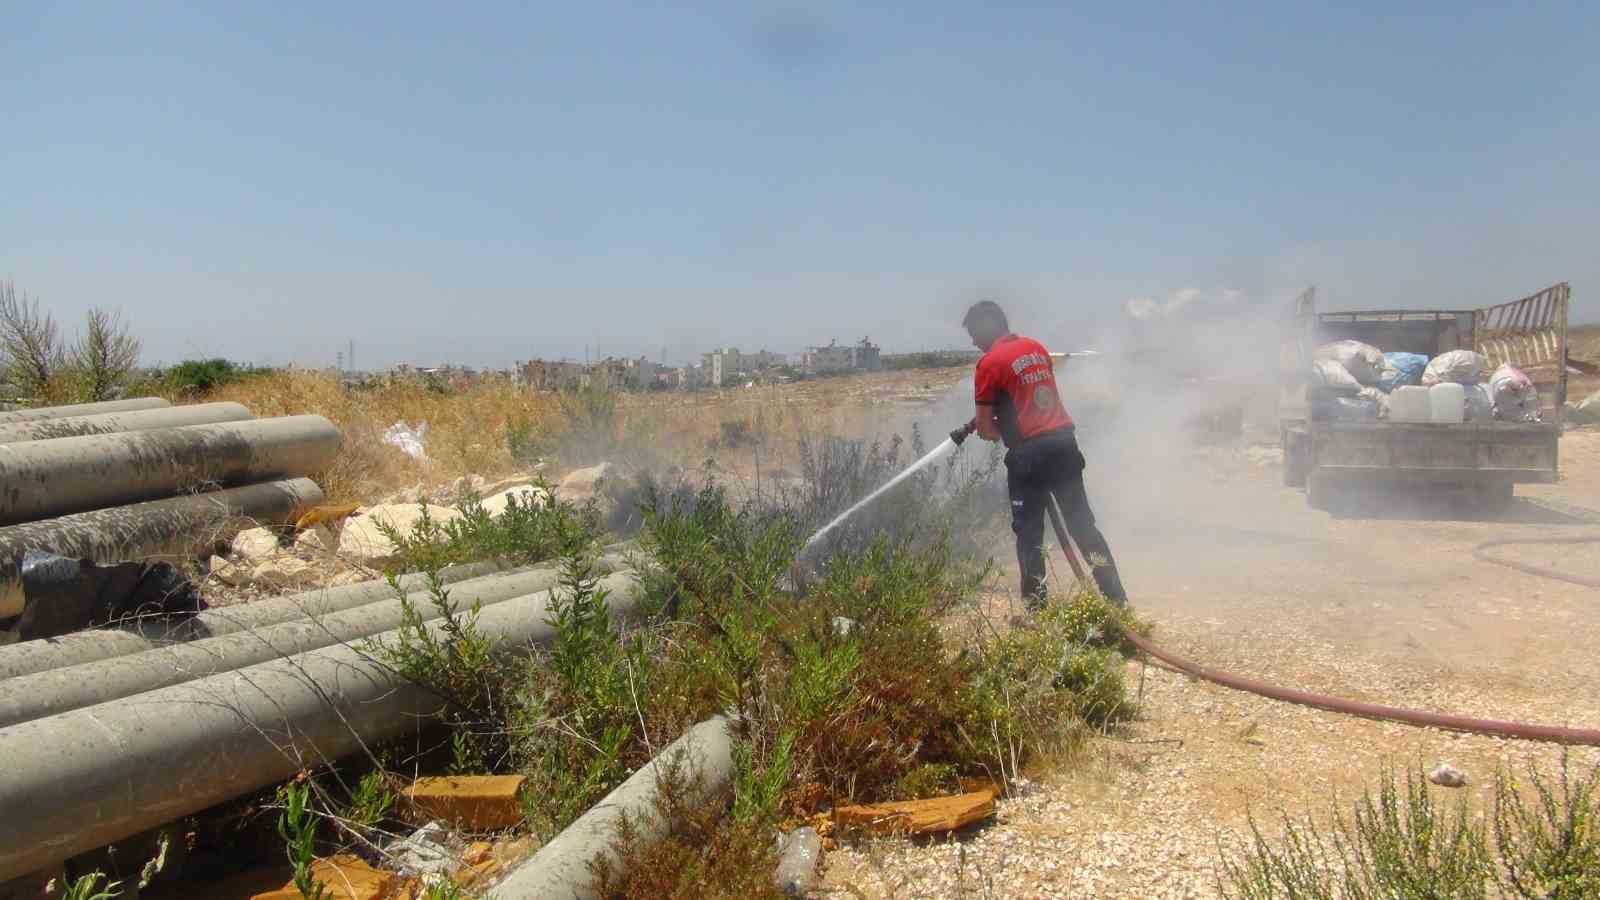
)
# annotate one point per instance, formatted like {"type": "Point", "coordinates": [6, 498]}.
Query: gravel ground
{"type": "Point", "coordinates": [1240, 575]}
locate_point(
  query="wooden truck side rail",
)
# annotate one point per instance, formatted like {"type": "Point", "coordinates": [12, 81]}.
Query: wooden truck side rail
{"type": "Point", "coordinates": [1530, 334]}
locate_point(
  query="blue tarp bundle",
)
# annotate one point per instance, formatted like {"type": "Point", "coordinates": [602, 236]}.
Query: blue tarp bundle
{"type": "Point", "coordinates": [1401, 369]}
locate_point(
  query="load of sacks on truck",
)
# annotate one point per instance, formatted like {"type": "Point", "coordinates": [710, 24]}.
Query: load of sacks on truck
{"type": "Point", "coordinates": [1354, 381]}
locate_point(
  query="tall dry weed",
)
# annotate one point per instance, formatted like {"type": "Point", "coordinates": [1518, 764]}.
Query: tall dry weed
{"type": "Point", "coordinates": [467, 430]}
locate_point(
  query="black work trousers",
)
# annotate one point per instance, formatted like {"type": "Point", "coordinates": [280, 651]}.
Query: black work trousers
{"type": "Point", "coordinates": [1051, 465]}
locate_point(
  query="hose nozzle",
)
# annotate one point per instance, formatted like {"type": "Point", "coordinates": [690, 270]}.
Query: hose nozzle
{"type": "Point", "coordinates": [962, 433]}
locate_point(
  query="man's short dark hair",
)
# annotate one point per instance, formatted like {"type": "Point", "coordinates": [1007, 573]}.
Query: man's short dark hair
{"type": "Point", "coordinates": [986, 315]}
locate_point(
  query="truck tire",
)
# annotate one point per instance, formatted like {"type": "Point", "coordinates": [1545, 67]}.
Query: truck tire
{"type": "Point", "coordinates": [1496, 496]}
{"type": "Point", "coordinates": [1296, 459]}
{"type": "Point", "coordinates": [1317, 489]}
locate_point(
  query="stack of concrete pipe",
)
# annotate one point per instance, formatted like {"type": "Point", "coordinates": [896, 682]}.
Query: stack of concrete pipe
{"type": "Point", "coordinates": [221, 717]}
{"type": "Point", "coordinates": [141, 479]}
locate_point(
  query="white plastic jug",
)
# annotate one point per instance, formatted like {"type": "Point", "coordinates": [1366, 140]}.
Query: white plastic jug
{"type": "Point", "coordinates": [1447, 402]}
{"type": "Point", "coordinates": [1409, 403]}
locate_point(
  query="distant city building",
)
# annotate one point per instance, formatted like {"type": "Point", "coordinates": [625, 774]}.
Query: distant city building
{"type": "Point", "coordinates": [865, 356]}
{"type": "Point", "coordinates": [539, 375]}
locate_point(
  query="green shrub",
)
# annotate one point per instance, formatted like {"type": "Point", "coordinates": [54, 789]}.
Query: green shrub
{"type": "Point", "coordinates": [1550, 843]}
{"type": "Point", "coordinates": [297, 825]}
{"type": "Point", "coordinates": [529, 530]}
{"type": "Point", "coordinates": [198, 377]}
{"type": "Point", "coordinates": [452, 658]}
{"type": "Point", "coordinates": [1401, 843]}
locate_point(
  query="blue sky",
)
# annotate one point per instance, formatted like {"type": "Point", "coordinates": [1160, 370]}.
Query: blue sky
{"type": "Point", "coordinates": [493, 181]}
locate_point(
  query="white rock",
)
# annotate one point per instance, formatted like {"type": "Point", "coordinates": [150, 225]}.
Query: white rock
{"type": "Point", "coordinates": [228, 572]}
{"type": "Point", "coordinates": [1449, 776]}
{"type": "Point", "coordinates": [510, 481]}
{"type": "Point", "coordinates": [526, 494]}
{"type": "Point", "coordinates": [364, 542]}
{"type": "Point", "coordinates": [284, 571]}
{"type": "Point", "coordinates": [254, 545]}
{"type": "Point", "coordinates": [316, 539]}
{"type": "Point", "coordinates": [584, 484]}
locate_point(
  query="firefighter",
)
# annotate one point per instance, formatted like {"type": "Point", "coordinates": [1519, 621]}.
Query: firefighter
{"type": "Point", "coordinates": [1017, 403]}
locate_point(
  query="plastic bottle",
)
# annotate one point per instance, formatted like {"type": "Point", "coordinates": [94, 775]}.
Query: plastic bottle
{"type": "Point", "coordinates": [797, 861]}
{"type": "Point", "coordinates": [1447, 402]}
{"type": "Point", "coordinates": [1409, 403]}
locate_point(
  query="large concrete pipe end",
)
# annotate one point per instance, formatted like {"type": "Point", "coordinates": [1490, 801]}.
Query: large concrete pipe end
{"type": "Point", "coordinates": [118, 422]}
{"type": "Point", "coordinates": [81, 409]}
{"type": "Point", "coordinates": [176, 528]}
{"type": "Point", "coordinates": [76, 474]}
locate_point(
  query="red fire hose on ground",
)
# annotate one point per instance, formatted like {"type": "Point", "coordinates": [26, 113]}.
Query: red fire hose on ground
{"type": "Point", "coordinates": [1423, 718]}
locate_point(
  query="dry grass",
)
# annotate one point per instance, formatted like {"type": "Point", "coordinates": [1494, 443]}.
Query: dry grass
{"type": "Point", "coordinates": [467, 430]}
{"type": "Point", "coordinates": [744, 430]}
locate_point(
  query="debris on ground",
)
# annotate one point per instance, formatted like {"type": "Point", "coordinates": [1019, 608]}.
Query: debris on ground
{"type": "Point", "coordinates": [910, 817]}
{"type": "Point", "coordinates": [470, 802]}
{"type": "Point", "coordinates": [1448, 776]}
{"type": "Point", "coordinates": [408, 439]}
{"type": "Point", "coordinates": [429, 850]}
{"type": "Point", "coordinates": [326, 515]}
{"type": "Point", "coordinates": [318, 539]}
{"type": "Point", "coordinates": [60, 595]}
{"type": "Point", "coordinates": [346, 877]}
{"type": "Point", "coordinates": [254, 545]}
{"type": "Point", "coordinates": [285, 572]}
{"type": "Point", "coordinates": [798, 852]}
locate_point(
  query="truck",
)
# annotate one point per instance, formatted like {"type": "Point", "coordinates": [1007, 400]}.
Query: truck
{"type": "Point", "coordinates": [1481, 461]}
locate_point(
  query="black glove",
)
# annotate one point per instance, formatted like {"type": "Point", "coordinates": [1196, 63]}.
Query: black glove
{"type": "Point", "coordinates": [960, 434]}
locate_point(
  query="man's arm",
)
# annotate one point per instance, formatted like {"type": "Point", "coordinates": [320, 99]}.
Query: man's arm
{"type": "Point", "coordinates": [986, 390]}
{"type": "Point", "coordinates": [988, 425]}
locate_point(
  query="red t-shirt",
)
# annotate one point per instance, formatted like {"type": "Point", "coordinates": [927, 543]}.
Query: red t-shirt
{"type": "Point", "coordinates": [1016, 378]}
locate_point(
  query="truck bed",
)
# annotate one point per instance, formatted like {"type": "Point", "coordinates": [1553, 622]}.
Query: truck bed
{"type": "Point", "coordinates": [1510, 452]}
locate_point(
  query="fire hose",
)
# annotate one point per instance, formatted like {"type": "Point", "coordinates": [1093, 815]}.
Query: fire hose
{"type": "Point", "coordinates": [1421, 718]}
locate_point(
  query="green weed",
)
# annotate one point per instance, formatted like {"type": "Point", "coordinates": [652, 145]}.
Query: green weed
{"type": "Point", "coordinates": [297, 825]}
{"type": "Point", "coordinates": [1400, 842]}
{"type": "Point", "coordinates": [452, 658]}
{"type": "Point", "coordinates": [534, 526]}
{"type": "Point", "coordinates": [372, 801]}
{"type": "Point", "coordinates": [1549, 843]}
{"type": "Point", "coordinates": [87, 887]}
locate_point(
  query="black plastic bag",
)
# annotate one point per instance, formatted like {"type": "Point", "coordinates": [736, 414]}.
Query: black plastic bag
{"type": "Point", "coordinates": [63, 595]}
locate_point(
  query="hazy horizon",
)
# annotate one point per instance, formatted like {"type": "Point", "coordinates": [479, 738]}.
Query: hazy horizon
{"type": "Point", "coordinates": [498, 183]}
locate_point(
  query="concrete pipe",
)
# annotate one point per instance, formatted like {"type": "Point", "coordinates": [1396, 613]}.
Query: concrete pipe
{"type": "Point", "coordinates": [118, 422]}
{"type": "Point", "coordinates": [93, 776]}
{"type": "Point", "coordinates": [76, 474]}
{"type": "Point", "coordinates": [177, 527]}
{"type": "Point", "coordinates": [75, 687]}
{"type": "Point", "coordinates": [95, 644]}
{"type": "Point", "coordinates": [81, 409]}
{"type": "Point", "coordinates": [561, 868]}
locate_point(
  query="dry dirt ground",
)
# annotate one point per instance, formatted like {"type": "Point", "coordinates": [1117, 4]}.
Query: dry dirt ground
{"type": "Point", "coordinates": [1239, 574]}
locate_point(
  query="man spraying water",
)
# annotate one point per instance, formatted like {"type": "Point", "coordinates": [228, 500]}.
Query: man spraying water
{"type": "Point", "coordinates": [1017, 402]}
